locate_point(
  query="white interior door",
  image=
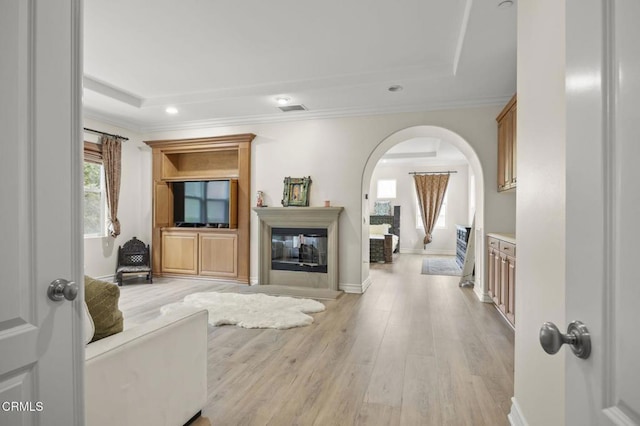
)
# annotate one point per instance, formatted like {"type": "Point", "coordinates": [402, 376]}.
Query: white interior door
{"type": "Point", "coordinates": [41, 351]}
{"type": "Point", "coordinates": [603, 208]}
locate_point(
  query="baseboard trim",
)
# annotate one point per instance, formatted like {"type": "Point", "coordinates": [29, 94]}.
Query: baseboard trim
{"type": "Point", "coordinates": [482, 295]}
{"type": "Point", "coordinates": [366, 284]}
{"type": "Point", "coordinates": [353, 288]}
{"type": "Point", "coordinates": [428, 252]}
{"type": "Point", "coordinates": [515, 416]}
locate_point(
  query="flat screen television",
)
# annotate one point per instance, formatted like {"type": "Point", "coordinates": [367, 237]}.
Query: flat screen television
{"type": "Point", "coordinates": [210, 203]}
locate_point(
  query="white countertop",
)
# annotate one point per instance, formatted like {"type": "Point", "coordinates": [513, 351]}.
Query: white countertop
{"type": "Point", "coordinates": [510, 238]}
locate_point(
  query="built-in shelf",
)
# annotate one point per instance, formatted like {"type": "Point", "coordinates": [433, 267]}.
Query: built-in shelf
{"type": "Point", "coordinates": [214, 164]}
{"type": "Point", "coordinates": [202, 252]}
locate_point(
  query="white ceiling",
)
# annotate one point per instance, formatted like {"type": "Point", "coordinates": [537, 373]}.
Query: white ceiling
{"type": "Point", "coordinates": [223, 62]}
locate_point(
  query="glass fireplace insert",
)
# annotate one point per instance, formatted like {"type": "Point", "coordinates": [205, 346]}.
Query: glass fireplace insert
{"type": "Point", "coordinates": [299, 249]}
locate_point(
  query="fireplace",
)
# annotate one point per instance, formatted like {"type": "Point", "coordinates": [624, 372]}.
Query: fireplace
{"type": "Point", "coordinates": [298, 246]}
{"type": "Point", "coordinates": [299, 249]}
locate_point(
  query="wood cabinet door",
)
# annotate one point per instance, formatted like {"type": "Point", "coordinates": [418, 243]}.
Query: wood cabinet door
{"type": "Point", "coordinates": [491, 275]}
{"type": "Point", "coordinates": [503, 130]}
{"type": "Point", "coordinates": [180, 252]}
{"type": "Point", "coordinates": [513, 118]}
{"type": "Point", "coordinates": [497, 275]}
{"type": "Point", "coordinates": [163, 206]}
{"type": "Point", "coordinates": [511, 290]}
{"type": "Point", "coordinates": [507, 146]}
{"type": "Point", "coordinates": [504, 283]}
{"type": "Point", "coordinates": [218, 255]}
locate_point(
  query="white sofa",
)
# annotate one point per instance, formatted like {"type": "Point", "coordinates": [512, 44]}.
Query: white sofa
{"type": "Point", "coordinates": [150, 374]}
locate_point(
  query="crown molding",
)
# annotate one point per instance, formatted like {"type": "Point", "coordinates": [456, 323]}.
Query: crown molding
{"type": "Point", "coordinates": [409, 155]}
{"type": "Point", "coordinates": [111, 120]}
{"type": "Point", "coordinates": [379, 77]}
{"type": "Point", "coordinates": [113, 92]}
{"type": "Point", "coordinates": [324, 114]}
{"type": "Point", "coordinates": [425, 162]}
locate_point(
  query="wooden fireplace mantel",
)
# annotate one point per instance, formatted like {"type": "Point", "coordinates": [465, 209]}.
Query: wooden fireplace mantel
{"type": "Point", "coordinates": [298, 217]}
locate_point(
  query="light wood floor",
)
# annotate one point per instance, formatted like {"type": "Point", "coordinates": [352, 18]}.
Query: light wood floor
{"type": "Point", "coordinates": [413, 350]}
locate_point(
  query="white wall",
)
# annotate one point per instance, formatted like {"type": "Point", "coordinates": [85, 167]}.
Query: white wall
{"type": "Point", "coordinates": [334, 153]}
{"type": "Point", "coordinates": [134, 211]}
{"type": "Point", "coordinates": [540, 274]}
{"type": "Point", "coordinates": [411, 237]}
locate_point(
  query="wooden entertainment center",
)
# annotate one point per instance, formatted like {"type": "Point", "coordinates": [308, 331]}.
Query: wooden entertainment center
{"type": "Point", "coordinates": [211, 252]}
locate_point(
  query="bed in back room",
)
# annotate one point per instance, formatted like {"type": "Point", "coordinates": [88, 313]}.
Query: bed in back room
{"type": "Point", "coordinates": [384, 236]}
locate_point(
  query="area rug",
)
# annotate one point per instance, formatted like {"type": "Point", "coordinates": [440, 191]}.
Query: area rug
{"type": "Point", "coordinates": [249, 310]}
{"type": "Point", "coordinates": [440, 266]}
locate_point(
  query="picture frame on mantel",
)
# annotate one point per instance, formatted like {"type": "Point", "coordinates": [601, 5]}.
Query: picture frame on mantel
{"type": "Point", "coordinates": [296, 192]}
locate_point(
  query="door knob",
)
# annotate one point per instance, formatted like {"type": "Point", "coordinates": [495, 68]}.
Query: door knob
{"type": "Point", "coordinates": [577, 337]}
{"type": "Point", "coordinates": [62, 289]}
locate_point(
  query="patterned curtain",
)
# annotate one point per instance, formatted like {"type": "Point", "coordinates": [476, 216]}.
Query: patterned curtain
{"type": "Point", "coordinates": [431, 190]}
{"type": "Point", "coordinates": [111, 160]}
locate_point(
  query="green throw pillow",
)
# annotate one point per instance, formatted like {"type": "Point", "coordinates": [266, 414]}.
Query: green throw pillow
{"type": "Point", "coordinates": [102, 301]}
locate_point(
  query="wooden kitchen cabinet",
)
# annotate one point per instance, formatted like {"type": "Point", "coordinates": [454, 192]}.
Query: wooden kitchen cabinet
{"type": "Point", "coordinates": [501, 274]}
{"type": "Point", "coordinates": [507, 146]}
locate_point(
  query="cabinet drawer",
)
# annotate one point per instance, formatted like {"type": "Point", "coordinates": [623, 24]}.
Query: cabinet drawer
{"type": "Point", "coordinates": [508, 248]}
{"type": "Point", "coordinates": [494, 242]}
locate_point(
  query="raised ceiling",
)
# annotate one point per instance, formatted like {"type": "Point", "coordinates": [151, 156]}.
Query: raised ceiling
{"type": "Point", "coordinates": [226, 62]}
{"type": "Point", "coordinates": [423, 151]}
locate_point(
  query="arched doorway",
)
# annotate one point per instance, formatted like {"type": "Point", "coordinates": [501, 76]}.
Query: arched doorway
{"type": "Point", "coordinates": [474, 163]}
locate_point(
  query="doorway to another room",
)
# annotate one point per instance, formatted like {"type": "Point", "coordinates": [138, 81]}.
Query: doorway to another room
{"type": "Point", "coordinates": [391, 201]}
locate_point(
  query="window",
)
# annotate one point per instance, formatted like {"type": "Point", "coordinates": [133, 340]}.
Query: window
{"type": "Point", "coordinates": [386, 188]}
{"type": "Point", "coordinates": [441, 223]}
{"type": "Point", "coordinates": [95, 198]}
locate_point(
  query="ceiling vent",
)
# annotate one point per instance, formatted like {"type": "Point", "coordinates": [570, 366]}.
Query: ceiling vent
{"type": "Point", "coordinates": [289, 108]}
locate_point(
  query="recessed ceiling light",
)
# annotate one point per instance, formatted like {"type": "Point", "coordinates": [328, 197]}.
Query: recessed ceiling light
{"type": "Point", "coordinates": [283, 100]}
{"type": "Point", "coordinates": [505, 4]}
{"type": "Point", "coordinates": [171, 110]}
{"type": "Point", "coordinates": [395, 88]}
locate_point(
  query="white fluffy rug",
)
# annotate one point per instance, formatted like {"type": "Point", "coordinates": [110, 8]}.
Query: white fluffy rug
{"type": "Point", "coordinates": [250, 310]}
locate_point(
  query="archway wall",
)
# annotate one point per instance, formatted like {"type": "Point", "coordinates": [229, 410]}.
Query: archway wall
{"type": "Point", "coordinates": [335, 153]}
{"type": "Point", "coordinates": [494, 212]}
{"type": "Point", "coordinates": [425, 132]}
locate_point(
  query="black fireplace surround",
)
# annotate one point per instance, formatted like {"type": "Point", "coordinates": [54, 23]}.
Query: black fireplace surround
{"type": "Point", "coordinates": [299, 249]}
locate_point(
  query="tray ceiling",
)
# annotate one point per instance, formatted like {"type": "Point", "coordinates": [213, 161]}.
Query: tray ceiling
{"type": "Point", "coordinates": [224, 62]}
